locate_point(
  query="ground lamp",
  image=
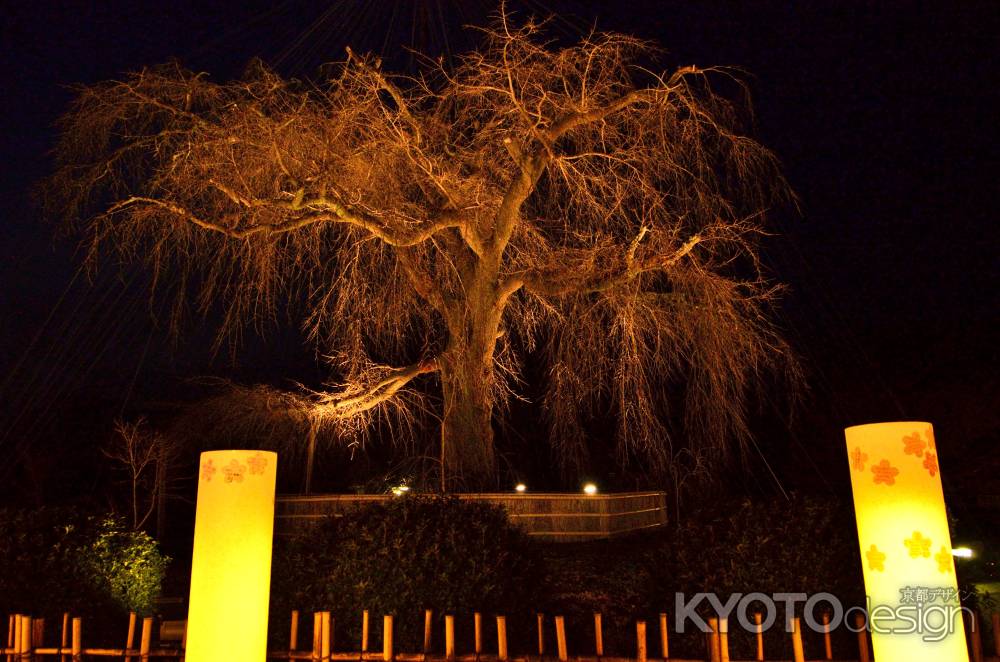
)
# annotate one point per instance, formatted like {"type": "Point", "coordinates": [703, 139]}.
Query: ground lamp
{"type": "Point", "coordinates": [906, 550]}
{"type": "Point", "coordinates": [231, 565]}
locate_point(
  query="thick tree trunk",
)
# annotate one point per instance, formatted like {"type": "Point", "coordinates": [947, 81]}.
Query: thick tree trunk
{"type": "Point", "coordinates": [467, 457]}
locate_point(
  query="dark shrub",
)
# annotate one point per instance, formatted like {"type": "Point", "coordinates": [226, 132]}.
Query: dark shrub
{"type": "Point", "coordinates": [402, 557]}
{"type": "Point", "coordinates": [56, 559]}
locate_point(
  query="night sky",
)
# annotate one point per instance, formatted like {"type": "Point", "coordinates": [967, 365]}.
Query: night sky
{"type": "Point", "coordinates": [884, 115]}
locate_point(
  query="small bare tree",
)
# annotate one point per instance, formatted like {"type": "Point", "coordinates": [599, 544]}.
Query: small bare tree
{"type": "Point", "coordinates": [565, 203]}
{"type": "Point", "coordinates": [144, 457]}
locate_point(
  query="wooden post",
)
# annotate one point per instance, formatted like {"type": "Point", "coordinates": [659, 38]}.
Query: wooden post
{"type": "Point", "coordinates": [77, 649]}
{"type": "Point", "coordinates": [477, 623]}
{"type": "Point", "coordinates": [724, 640]}
{"type": "Point", "coordinates": [758, 619]}
{"type": "Point", "coordinates": [664, 642]}
{"type": "Point", "coordinates": [387, 638]}
{"type": "Point", "coordinates": [541, 635]}
{"type": "Point", "coordinates": [64, 639]}
{"type": "Point", "coordinates": [640, 641]}
{"type": "Point", "coordinates": [293, 635]}
{"type": "Point", "coordinates": [324, 642]}
{"type": "Point", "coordinates": [827, 645]}
{"type": "Point", "coordinates": [859, 624]}
{"type": "Point", "coordinates": [26, 638]}
{"type": "Point", "coordinates": [996, 633]}
{"type": "Point", "coordinates": [714, 645]}
{"type": "Point", "coordinates": [130, 637]}
{"type": "Point", "coordinates": [598, 635]}
{"type": "Point", "coordinates": [501, 638]}
{"type": "Point", "coordinates": [561, 638]}
{"type": "Point", "coordinates": [11, 630]}
{"type": "Point", "coordinates": [38, 632]}
{"type": "Point", "coordinates": [428, 619]}
{"type": "Point", "coordinates": [145, 639]}
{"type": "Point", "coordinates": [977, 640]}
{"type": "Point", "coordinates": [364, 631]}
{"type": "Point", "coordinates": [449, 636]}
{"type": "Point", "coordinates": [798, 654]}
{"type": "Point", "coordinates": [317, 634]}
{"type": "Point", "coordinates": [16, 631]}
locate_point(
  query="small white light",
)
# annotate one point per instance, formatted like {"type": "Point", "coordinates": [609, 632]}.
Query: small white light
{"type": "Point", "coordinates": [400, 490]}
{"type": "Point", "coordinates": [520, 487]}
{"type": "Point", "coordinates": [590, 488]}
{"type": "Point", "coordinates": [962, 552]}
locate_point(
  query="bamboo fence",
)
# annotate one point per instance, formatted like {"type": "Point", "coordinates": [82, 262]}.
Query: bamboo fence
{"type": "Point", "coordinates": [26, 642]}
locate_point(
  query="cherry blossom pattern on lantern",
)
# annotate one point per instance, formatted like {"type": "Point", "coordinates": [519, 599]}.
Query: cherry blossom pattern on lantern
{"type": "Point", "coordinates": [943, 559]}
{"type": "Point", "coordinates": [929, 433]}
{"type": "Point", "coordinates": [876, 559]}
{"type": "Point", "coordinates": [234, 471]}
{"type": "Point", "coordinates": [208, 470]}
{"type": "Point", "coordinates": [914, 445]}
{"type": "Point", "coordinates": [858, 459]}
{"type": "Point", "coordinates": [885, 473]}
{"type": "Point", "coordinates": [258, 463]}
{"type": "Point", "coordinates": [918, 545]}
{"type": "Point", "coordinates": [930, 463]}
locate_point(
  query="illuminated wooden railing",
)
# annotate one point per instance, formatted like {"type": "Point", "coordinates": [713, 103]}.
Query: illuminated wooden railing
{"type": "Point", "coordinates": [548, 516]}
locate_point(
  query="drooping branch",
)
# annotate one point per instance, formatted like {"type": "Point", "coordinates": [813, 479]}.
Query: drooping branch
{"type": "Point", "coordinates": [353, 399]}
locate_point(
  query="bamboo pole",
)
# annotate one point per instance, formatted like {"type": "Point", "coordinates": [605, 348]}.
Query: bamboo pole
{"type": "Point", "coordinates": [37, 633]}
{"type": "Point", "coordinates": [11, 625]}
{"type": "Point", "coordinates": [640, 641]}
{"type": "Point", "coordinates": [449, 637]}
{"type": "Point", "coordinates": [293, 635]}
{"type": "Point", "coordinates": [598, 635]}
{"type": "Point", "coordinates": [859, 623]}
{"type": "Point", "coordinates": [145, 639]}
{"type": "Point", "coordinates": [977, 641]}
{"type": "Point", "coordinates": [64, 639]}
{"type": "Point", "coordinates": [387, 638]}
{"type": "Point", "coordinates": [364, 631]}
{"type": "Point", "coordinates": [541, 635]}
{"type": "Point", "coordinates": [714, 645]}
{"type": "Point", "coordinates": [477, 624]}
{"type": "Point", "coordinates": [996, 633]}
{"type": "Point", "coordinates": [325, 638]}
{"type": "Point", "coordinates": [664, 641]}
{"type": "Point", "coordinates": [16, 629]}
{"type": "Point", "coordinates": [428, 620]}
{"type": "Point", "coordinates": [827, 644]}
{"type": "Point", "coordinates": [724, 640]}
{"type": "Point", "coordinates": [561, 638]}
{"type": "Point", "coordinates": [758, 619]}
{"type": "Point", "coordinates": [26, 638]}
{"type": "Point", "coordinates": [77, 649]}
{"type": "Point", "coordinates": [130, 637]}
{"type": "Point", "coordinates": [798, 654]}
{"type": "Point", "coordinates": [317, 635]}
{"type": "Point", "coordinates": [501, 637]}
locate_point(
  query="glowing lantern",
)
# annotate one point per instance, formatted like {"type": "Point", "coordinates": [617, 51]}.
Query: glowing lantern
{"type": "Point", "coordinates": [906, 549]}
{"type": "Point", "coordinates": [231, 565]}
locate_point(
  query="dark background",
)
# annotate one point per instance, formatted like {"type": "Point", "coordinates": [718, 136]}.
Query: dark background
{"type": "Point", "coordinates": [884, 114]}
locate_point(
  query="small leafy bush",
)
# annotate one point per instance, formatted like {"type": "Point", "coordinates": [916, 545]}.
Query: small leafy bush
{"type": "Point", "coordinates": [57, 559]}
{"type": "Point", "coordinates": [402, 557]}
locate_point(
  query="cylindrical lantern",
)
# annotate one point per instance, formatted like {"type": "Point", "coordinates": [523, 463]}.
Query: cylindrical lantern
{"type": "Point", "coordinates": [906, 554]}
{"type": "Point", "coordinates": [231, 565]}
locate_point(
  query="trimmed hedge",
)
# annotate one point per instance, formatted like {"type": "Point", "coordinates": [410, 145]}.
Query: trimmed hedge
{"type": "Point", "coordinates": [402, 557]}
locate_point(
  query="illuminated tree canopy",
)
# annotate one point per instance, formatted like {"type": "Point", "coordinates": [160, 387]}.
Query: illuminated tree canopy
{"type": "Point", "coordinates": [561, 203]}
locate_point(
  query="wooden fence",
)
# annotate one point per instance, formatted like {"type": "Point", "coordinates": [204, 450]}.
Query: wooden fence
{"type": "Point", "coordinates": [27, 642]}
